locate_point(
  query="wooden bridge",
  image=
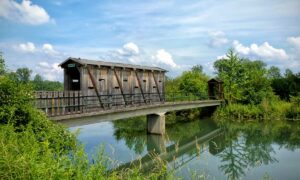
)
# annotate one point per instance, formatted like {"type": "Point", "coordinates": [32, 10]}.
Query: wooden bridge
{"type": "Point", "coordinates": [102, 91]}
{"type": "Point", "coordinates": [63, 106]}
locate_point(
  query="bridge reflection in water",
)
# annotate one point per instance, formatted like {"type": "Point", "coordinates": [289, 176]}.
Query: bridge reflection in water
{"type": "Point", "coordinates": [178, 153]}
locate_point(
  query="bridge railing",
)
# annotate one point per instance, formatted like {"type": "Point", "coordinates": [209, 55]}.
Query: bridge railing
{"type": "Point", "coordinates": [57, 103]}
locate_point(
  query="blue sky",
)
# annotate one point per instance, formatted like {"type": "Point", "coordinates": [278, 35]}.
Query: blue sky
{"type": "Point", "coordinates": [172, 34]}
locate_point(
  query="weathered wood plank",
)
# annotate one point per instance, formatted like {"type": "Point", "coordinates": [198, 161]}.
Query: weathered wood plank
{"type": "Point", "coordinates": [140, 86]}
{"type": "Point", "coordinates": [95, 86]}
{"type": "Point", "coordinates": [120, 85]}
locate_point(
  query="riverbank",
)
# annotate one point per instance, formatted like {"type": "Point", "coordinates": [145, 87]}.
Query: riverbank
{"type": "Point", "coordinates": [266, 110]}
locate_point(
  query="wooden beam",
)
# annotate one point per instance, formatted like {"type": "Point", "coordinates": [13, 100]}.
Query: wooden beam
{"type": "Point", "coordinates": [140, 85]}
{"type": "Point", "coordinates": [120, 85]}
{"type": "Point", "coordinates": [95, 86]}
{"type": "Point", "coordinates": [156, 84]}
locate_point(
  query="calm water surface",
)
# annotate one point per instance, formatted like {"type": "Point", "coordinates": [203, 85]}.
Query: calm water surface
{"type": "Point", "coordinates": [237, 151]}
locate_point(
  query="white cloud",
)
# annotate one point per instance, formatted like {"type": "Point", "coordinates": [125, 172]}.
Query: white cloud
{"type": "Point", "coordinates": [240, 48]}
{"type": "Point", "coordinates": [164, 57]}
{"type": "Point", "coordinates": [49, 71]}
{"type": "Point", "coordinates": [265, 51]}
{"type": "Point", "coordinates": [48, 49]}
{"type": "Point", "coordinates": [295, 41]}
{"type": "Point", "coordinates": [28, 47]}
{"type": "Point", "coordinates": [222, 57]}
{"type": "Point", "coordinates": [131, 53]}
{"type": "Point", "coordinates": [131, 47]}
{"type": "Point", "coordinates": [24, 12]}
{"type": "Point", "coordinates": [218, 39]}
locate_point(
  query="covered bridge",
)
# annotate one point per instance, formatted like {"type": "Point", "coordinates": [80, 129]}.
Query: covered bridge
{"type": "Point", "coordinates": [107, 80]}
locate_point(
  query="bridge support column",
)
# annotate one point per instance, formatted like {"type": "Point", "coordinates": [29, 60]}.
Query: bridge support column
{"type": "Point", "coordinates": [156, 143]}
{"type": "Point", "coordinates": [156, 123]}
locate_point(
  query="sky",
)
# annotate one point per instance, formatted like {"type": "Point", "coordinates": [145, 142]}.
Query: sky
{"type": "Point", "coordinates": [172, 34]}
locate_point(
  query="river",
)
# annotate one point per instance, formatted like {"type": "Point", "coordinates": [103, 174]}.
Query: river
{"type": "Point", "coordinates": [201, 148]}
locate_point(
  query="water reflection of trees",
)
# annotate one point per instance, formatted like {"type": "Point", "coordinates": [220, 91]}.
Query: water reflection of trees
{"type": "Point", "coordinates": [133, 131]}
{"type": "Point", "coordinates": [249, 145]}
{"type": "Point", "coordinates": [244, 145]}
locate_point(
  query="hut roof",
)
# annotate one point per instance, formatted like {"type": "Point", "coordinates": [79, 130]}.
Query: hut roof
{"type": "Point", "coordinates": [108, 64]}
{"type": "Point", "coordinates": [215, 80]}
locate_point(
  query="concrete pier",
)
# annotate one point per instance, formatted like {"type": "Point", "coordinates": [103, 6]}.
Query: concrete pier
{"type": "Point", "coordinates": [156, 123]}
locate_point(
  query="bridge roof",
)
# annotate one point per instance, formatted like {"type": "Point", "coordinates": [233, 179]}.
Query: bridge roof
{"type": "Point", "coordinates": [109, 64]}
{"type": "Point", "coordinates": [215, 80]}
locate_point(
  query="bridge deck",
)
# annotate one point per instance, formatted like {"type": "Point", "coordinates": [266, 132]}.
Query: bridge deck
{"type": "Point", "coordinates": [127, 112]}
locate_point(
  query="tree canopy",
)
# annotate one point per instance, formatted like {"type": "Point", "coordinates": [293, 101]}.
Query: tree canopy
{"type": "Point", "coordinates": [193, 81]}
{"type": "Point", "coordinates": [245, 81]}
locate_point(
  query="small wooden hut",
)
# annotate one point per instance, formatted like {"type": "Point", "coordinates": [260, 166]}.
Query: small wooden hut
{"type": "Point", "coordinates": [106, 80]}
{"type": "Point", "coordinates": [215, 89]}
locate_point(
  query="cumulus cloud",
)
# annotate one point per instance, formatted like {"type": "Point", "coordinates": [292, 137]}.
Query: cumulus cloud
{"type": "Point", "coordinates": [24, 12]}
{"type": "Point", "coordinates": [49, 71]}
{"type": "Point", "coordinates": [28, 47]}
{"type": "Point", "coordinates": [164, 57]}
{"type": "Point", "coordinates": [295, 41]}
{"type": "Point", "coordinates": [131, 53]}
{"type": "Point", "coordinates": [48, 49]}
{"type": "Point", "coordinates": [218, 39]}
{"type": "Point", "coordinates": [265, 51]}
{"type": "Point", "coordinates": [131, 47]}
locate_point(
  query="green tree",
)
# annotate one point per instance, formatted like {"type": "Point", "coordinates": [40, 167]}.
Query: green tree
{"type": "Point", "coordinates": [23, 74]}
{"type": "Point", "coordinates": [274, 73]}
{"type": "Point", "coordinates": [37, 82]}
{"type": "Point", "coordinates": [245, 81]}
{"type": "Point", "coordinates": [256, 86]}
{"type": "Point", "coordinates": [2, 65]}
{"type": "Point", "coordinates": [194, 82]}
{"type": "Point", "coordinates": [230, 71]}
{"type": "Point", "coordinates": [197, 69]}
{"type": "Point", "coordinates": [287, 85]}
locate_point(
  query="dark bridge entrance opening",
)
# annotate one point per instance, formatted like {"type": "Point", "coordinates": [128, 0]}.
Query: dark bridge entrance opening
{"type": "Point", "coordinates": [215, 89]}
{"type": "Point", "coordinates": [73, 78]}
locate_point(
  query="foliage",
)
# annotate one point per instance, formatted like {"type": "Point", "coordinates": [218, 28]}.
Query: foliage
{"type": "Point", "coordinates": [294, 111]}
{"type": "Point", "coordinates": [189, 85]}
{"type": "Point", "coordinates": [23, 74]}
{"type": "Point", "coordinates": [16, 110]}
{"type": "Point", "coordinates": [2, 65]}
{"type": "Point", "coordinates": [194, 82]}
{"type": "Point", "coordinates": [44, 85]}
{"type": "Point", "coordinates": [268, 110]}
{"type": "Point", "coordinates": [287, 85]}
{"type": "Point", "coordinates": [274, 73]}
{"type": "Point", "coordinates": [245, 81]}
{"type": "Point", "coordinates": [32, 147]}
{"type": "Point", "coordinates": [23, 157]}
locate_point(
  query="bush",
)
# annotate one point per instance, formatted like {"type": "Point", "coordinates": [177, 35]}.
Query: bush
{"type": "Point", "coordinates": [32, 147]}
{"type": "Point", "coordinates": [268, 110]}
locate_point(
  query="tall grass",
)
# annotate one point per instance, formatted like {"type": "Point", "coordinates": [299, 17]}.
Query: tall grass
{"type": "Point", "coordinates": [22, 156]}
{"type": "Point", "coordinates": [32, 147]}
{"type": "Point", "coordinates": [266, 110]}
